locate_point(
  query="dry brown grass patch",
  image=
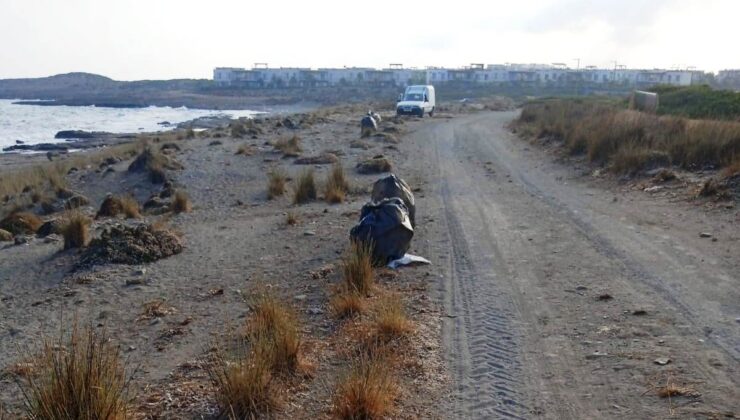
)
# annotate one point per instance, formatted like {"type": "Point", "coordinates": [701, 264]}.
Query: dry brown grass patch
{"type": "Point", "coordinates": [347, 303]}
{"type": "Point", "coordinates": [376, 165]}
{"type": "Point", "coordinates": [357, 268]}
{"type": "Point", "coordinates": [76, 230]}
{"type": "Point", "coordinates": [336, 186]}
{"type": "Point", "coordinates": [155, 309]}
{"type": "Point", "coordinates": [81, 377]}
{"type": "Point", "coordinates": [245, 150]}
{"type": "Point", "coordinates": [289, 146]}
{"type": "Point", "coordinates": [276, 180]}
{"type": "Point", "coordinates": [390, 319]}
{"type": "Point", "coordinates": [274, 325]}
{"type": "Point", "coordinates": [130, 207]}
{"type": "Point", "coordinates": [244, 384]}
{"type": "Point", "coordinates": [305, 190]}
{"type": "Point", "coordinates": [21, 223]}
{"type": "Point", "coordinates": [367, 391]}
{"type": "Point", "coordinates": [181, 203]}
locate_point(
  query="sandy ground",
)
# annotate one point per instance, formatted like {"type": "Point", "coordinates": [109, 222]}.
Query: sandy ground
{"type": "Point", "coordinates": [552, 294]}
{"type": "Point", "coordinates": [237, 242]}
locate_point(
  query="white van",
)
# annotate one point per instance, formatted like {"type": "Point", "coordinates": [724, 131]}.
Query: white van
{"type": "Point", "coordinates": [417, 100]}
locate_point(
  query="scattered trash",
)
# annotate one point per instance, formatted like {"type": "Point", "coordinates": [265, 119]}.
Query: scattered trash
{"type": "Point", "coordinates": [653, 189]}
{"type": "Point", "coordinates": [604, 297]}
{"type": "Point", "coordinates": [392, 186]}
{"type": "Point", "coordinates": [705, 235]}
{"type": "Point", "coordinates": [639, 312]}
{"type": "Point", "coordinates": [368, 123]}
{"type": "Point", "coordinates": [662, 361]}
{"type": "Point", "coordinates": [386, 225]}
{"type": "Point", "coordinates": [408, 259]}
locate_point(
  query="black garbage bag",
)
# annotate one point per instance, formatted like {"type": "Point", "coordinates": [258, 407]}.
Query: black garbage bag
{"type": "Point", "coordinates": [393, 186]}
{"type": "Point", "coordinates": [386, 226]}
{"type": "Point", "coordinates": [368, 122]}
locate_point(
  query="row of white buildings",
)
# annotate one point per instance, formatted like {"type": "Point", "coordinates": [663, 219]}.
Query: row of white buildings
{"type": "Point", "coordinates": [262, 76]}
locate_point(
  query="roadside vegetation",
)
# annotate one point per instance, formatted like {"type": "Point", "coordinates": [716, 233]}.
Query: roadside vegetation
{"type": "Point", "coordinates": [305, 189]}
{"type": "Point", "coordinates": [336, 186]}
{"type": "Point", "coordinates": [698, 102]}
{"type": "Point", "coordinates": [81, 376]}
{"type": "Point", "coordinates": [628, 141]}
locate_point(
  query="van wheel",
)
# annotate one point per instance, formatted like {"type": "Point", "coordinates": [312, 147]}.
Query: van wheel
{"type": "Point", "coordinates": [431, 113]}
{"type": "Point", "coordinates": [421, 113]}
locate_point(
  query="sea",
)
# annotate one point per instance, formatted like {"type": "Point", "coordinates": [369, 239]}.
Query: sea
{"type": "Point", "coordinates": [34, 124]}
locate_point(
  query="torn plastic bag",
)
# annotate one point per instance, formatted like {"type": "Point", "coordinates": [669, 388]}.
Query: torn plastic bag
{"type": "Point", "coordinates": [408, 259]}
{"type": "Point", "coordinates": [368, 122]}
{"type": "Point", "coordinates": [387, 227]}
{"type": "Point", "coordinates": [392, 186]}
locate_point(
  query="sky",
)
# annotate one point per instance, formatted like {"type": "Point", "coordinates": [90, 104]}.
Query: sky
{"type": "Point", "coordinates": [164, 39]}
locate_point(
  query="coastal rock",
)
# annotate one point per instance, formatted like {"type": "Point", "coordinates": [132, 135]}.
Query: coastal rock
{"type": "Point", "coordinates": [80, 134]}
{"type": "Point", "coordinates": [41, 147]}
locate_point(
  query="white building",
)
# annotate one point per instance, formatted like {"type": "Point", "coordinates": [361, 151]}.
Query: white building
{"type": "Point", "coordinates": [396, 75]}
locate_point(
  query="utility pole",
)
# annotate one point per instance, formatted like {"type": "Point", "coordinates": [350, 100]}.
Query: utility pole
{"type": "Point", "coordinates": [614, 74]}
{"type": "Point", "coordinates": [578, 73]}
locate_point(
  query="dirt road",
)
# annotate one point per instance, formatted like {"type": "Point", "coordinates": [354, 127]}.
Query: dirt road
{"type": "Point", "coordinates": [561, 295]}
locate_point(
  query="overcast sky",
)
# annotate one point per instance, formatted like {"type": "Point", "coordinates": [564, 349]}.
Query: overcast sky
{"type": "Point", "coordinates": [156, 39]}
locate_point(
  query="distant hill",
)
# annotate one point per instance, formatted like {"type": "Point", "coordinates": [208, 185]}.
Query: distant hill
{"type": "Point", "coordinates": [26, 88]}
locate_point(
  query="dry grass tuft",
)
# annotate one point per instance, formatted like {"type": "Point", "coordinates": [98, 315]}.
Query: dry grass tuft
{"type": "Point", "coordinates": [336, 186]}
{"type": "Point", "coordinates": [290, 147]}
{"type": "Point", "coordinates": [347, 304]}
{"type": "Point", "coordinates": [244, 384]}
{"type": "Point", "coordinates": [306, 188]}
{"type": "Point", "coordinates": [155, 309]}
{"type": "Point", "coordinates": [291, 219]}
{"type": "Point", "coordinates": [245, 150]}
{"type": "Point", "coordinates": [276, 180]}
{"type": "Point", "coordinates": [376, 165]}
{"type": "Point", "coordinates": [275, 326]}
{"type": "Point", "coordinates": [367, 391]}
{"type": "Point", "coordinates": [130, 207]}
{"type": "Point", "coordinates": [81, 377]}
{"type": "Point", "coordinates": [357, 268]}
{"type": "Point", "coordinates": [675, 390]}
{"type": "Point", "coordinates": [390, 319]}
{"type": "Point", "coordinates": [76, 230]}
{"type": "Point", "coordinates": [21, 223]}
{"type": "Point", "coordinates": [181, 203]}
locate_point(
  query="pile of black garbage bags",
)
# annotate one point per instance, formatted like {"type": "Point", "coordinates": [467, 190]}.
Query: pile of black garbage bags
{"type": "Point", "coordinates": [387, 222]}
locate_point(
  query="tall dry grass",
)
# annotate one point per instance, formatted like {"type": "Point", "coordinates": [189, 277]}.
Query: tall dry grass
{"type": "Point", "coordinates": [240, 372]}
{"type": "Point", "coordinates": [81, 376]}
{"type": "Point", "coordinates": [274, 326]}
{"type": "Point", "coordinates": [276, 180]}
{"type": "Point", "coordinates": [76, 230]}
{"type": "Point", "coordinates": [631, 141]}
{"type": "Point", "coordinates": [305, 189]}
{"type": "Point", "coordinates": [357, 268]}
{"type": "Point", "coordinates": [336, 186]}
{"type": "Point", "coordinates": [367, 390]}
